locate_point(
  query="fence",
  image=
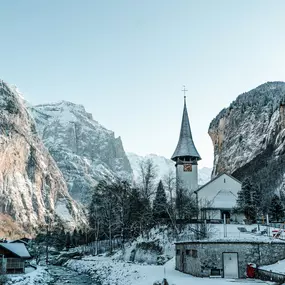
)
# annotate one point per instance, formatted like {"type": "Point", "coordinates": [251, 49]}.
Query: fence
{"type": "Point", "coordinates": [100, 246]}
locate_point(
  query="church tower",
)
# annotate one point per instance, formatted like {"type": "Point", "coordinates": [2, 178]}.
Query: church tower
{"type": "Point", "coordinates": [186, 156]}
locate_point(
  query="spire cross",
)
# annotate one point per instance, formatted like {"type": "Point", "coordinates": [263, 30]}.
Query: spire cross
{"type": "Point", "coordinates": [184, 90]}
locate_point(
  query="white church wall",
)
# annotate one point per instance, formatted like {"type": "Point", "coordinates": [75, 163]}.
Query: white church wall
{"type": "Point", "coordinates": [222, 184]}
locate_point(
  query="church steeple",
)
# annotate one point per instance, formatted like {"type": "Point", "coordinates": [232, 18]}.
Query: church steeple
{"type": "Point", "coordinates": [185, 148]}
{"type": "Point", "coordinates": [186, 156]}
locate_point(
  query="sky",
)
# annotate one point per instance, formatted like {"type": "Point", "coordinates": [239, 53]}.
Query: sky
{"type": "Point", "coordinates": [126, 61]}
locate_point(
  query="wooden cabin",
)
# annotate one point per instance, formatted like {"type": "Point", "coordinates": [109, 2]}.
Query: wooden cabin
{"type": "Point", "coordinates": [13, 257]}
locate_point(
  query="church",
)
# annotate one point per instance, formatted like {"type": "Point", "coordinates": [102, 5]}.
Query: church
{"type": "Point", "coordinates": [215, 199]}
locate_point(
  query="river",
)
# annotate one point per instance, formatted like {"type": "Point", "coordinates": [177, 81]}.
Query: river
{"type": "Point", "coordinates": [63, 275]}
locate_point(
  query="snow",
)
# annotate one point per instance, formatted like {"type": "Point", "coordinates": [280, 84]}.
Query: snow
{"type": "Point", "coordinates": [116, 270]}
{"type": "Point", "coordinates": [85, 151]}
{"type": "Point", "coordinates": [121, 273]}
{"type": "Point", "coordinates": [62, 211]}
{"type": "Point", "coordinates": [224, 197]}
{"type": "Point", "coordinates": [38, 276]}
{"type": "Point", "coordinates": [17, 248]}
{"type": "Point", "coordinates": [233, 233]}
{"type": "Point", "coordinates": [278, 267]}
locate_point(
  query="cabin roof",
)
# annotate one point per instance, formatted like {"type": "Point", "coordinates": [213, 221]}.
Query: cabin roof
{"type": "Point", "coordinates": [18, 249]}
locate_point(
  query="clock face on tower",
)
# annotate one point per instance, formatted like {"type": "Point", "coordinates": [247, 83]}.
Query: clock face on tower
{"type": "Point", "coordinates": [187, 167]}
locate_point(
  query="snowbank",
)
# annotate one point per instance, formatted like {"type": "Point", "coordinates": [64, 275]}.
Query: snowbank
{"type": "Point", "coordinates": [156, 248]}
{"type": "Point", "coordinates": [38, 276]}
{"type": "Point", "coordinates": [278, 267]}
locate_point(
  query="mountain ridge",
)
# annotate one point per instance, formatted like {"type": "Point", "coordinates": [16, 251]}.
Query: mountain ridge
{"type": "Point", "coordinates": [249, 138]}
{"type": "Point", "coordinates": [163, 167]}
{"type": "Point", "coordinates": [32, 189]}
{"type": "Point", "coordinates": [84, 150]}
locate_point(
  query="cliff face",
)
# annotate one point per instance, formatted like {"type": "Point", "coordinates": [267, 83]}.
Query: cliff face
{"type": "Point", "coordinates": [249, 137]}
{"type": "Point", "coordinates": [85, 151]}
{"type": "Point", "coordinates": [32, 189]}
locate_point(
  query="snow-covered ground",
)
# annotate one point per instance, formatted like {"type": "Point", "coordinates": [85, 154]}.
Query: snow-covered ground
{"type": "Point", "coordinates": [121, 273]}
{"type": "Point", "coordinates": [159, 244]}
{"type": "Point", "coordinates": [278, 267]}
{"type": "Point", "coordinates": [115, 269]}
{"type": "Point", "coordinates": [217, 232]}
{"type": "Point", "coordinates": [32, 277]}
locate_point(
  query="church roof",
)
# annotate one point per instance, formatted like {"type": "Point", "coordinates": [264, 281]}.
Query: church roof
{"type": "Point", "coordinates": [224, 197]}
{"type": "Point", "coordinates": [218, 176]}
{"type": "Point", "coordinates": [185, 146]}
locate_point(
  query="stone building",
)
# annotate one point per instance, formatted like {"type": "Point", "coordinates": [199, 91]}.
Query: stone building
{"type": "Point", "coordinates": [225, 258]}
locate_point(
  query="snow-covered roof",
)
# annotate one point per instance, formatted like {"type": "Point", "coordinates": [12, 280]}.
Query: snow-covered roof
{"type": "Point", "coordinates": [24, 240]}
{"type": "Point", "coordinates": [185, 146]}
{"type": "Point", "coordinates": [224, 197]}
{"type": "Point", "coordinates": [16, 248]}
{"type": "Point", "coordinates": [218, 176]}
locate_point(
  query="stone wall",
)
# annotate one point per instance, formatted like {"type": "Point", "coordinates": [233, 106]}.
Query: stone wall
{"type": "Point", "coordinates": [269, 276]}
{"type": "Point", "coordinates": [209, 255]}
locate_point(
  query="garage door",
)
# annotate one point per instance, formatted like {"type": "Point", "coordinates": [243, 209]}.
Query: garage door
{"type": "Point", "coordinates": [230, 265]}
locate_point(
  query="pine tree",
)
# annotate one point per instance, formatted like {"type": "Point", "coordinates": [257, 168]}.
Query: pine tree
{"type": "Point", "coordinates": [75, 238]}
{"type": "Point", "coordinates": [248, 200]}
{"type": "Point", "coordinates": [57, 237]}
{"type": "Point", "coordinates": [135, 213]}
{"type": "Point", "coordinates": [160, 204]}
{"type": "Point", "coordinates": [276, 209]}
{"type": "Point", "coordinates": [186, 205]}
{"type": "Point", "coordinates": [81, 237]}
{"type": "Point", "coordinates": [68, 240]}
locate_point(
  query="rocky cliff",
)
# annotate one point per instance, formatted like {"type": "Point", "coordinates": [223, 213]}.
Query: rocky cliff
{"type": "Point", "coordinates": [32, 188]}
{"type": "Point", "coordinates": [249, 137]}
{"type": "Point", "coordinates": [85, 151]}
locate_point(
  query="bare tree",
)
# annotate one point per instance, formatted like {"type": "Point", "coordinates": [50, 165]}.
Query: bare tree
{"type": "Point", "coordinates": [169, 180]}
{"type": "Point", "coordinates": [148, 176]}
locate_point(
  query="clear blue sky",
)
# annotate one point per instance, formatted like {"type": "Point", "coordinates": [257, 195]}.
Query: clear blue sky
{"type": "Point", "coordinates": [126, 61]}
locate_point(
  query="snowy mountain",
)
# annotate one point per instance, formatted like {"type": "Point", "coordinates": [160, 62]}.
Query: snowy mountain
{"type": "Point", "coordinates": [249, 138]}
{"type": "Point", "coordinates": [85, 151]}
{"type": "Point", "coordinates": [32, 188]}
{"type": "Point", "coordinates": [204, 175]}
{"type": "Point", "coordinates": [163, 167]}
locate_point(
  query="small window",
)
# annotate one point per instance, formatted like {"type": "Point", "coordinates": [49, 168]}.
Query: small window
{"type": "Point", "coordinates": [215, 272]}
{"type": "Point", "coordinates": [188, 252]}
{"type": "Point", "coordinates": [194, 253]}
{"type": "Point", "coordinates": [177, 251]}
{"type": "Point", "coordinates": [224, 180]}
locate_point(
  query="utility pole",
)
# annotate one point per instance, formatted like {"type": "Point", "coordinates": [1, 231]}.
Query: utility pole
{"type": "Point", "coordinates": [47, 241]}
{"type": "Point", "coordinates": [225, 226]}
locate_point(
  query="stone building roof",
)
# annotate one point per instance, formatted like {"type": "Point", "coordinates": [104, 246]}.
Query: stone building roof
{"type": "Point", "coordinates": [185, 146]}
